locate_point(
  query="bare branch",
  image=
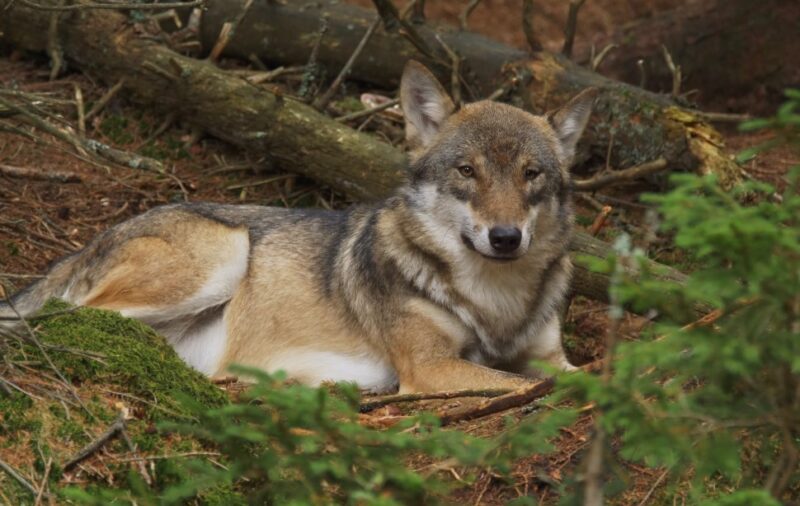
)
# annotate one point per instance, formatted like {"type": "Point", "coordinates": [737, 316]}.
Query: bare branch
{"type": "Point", "coordinates": [464, 16]}
{"type": "Point", "coordinates": [675, 70]}
{"type": "Point", "coordinates": [572, 26]}
{"type": "Point", "coordinates": [528, 10]}
{"type": "Point", "coordinates": [606, 178]}
{"type": "Point", "coordinates": [326, 97]}
{"type": "Point", "coordinates": [227, 31]}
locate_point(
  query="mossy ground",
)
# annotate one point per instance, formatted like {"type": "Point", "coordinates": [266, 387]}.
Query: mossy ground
{"type": "Point", "coordinates": [114, 364]}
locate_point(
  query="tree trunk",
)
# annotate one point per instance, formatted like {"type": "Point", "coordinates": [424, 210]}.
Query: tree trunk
{"type": "Point", "coordinates": [641, 126]}
{"type": "Point", "coordinates": [105, 46]}
{"type": "Point", "coordinates": [726, 48]}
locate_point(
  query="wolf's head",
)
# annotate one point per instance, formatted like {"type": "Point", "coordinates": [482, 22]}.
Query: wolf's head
{"type": "Point", "coordinates": [489, 177]}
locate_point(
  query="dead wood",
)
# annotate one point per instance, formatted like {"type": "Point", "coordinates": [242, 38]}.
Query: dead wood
{"type": "Point", "coordinates": [732, 48]}
{"type": "Point", "coordinates": [644, 126]}
{"type": "Point", "coordinates": [293, 134]}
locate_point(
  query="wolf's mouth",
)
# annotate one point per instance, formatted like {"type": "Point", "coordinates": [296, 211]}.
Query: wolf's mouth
{"type": "Point", "coordinates": [471, 245]}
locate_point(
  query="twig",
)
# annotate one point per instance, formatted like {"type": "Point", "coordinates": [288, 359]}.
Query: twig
{"type": "Point", "coordinates": [675, 70]}
{"type": "Point", "coordinates": [653, 488]}
{"type": "Point", "coordinates": [571, 27]}
{"type": "Point", "coordinates": [28, 173]}
{"type": "Point", "coordinates": [600, 220]}
{"type": "Point", "coordinates": [14, 474]}
{"type": "Point", "coordinates": [392, 22]}
{"type": "Point", "coordinates": [513, 399]}
{"type": "Point", "coordinates": [261, 182]}
{"type": "Point", "coordinates": [263, 77]}
{"type": "Point", "coordinates": [172, 456]}
{"type": "Point", "coordinates": [43, 484]}
{"type": "Point", "coordinates": [227, 31]}
{"type": "Point", "coordinates": [464, 15]}
{"type": "Point", "coordinates": [610, 177]}
{"type": "Point", "coordinates": [32, 337]}
{"type": "Point", "coordinates": [105, 99]}
{"type": "Point", "coordinates": [455, 74]}
{"type": "Point", "coordinates": [311, 71]}
{"type": "Point", "coordinates": [54, 50]}
{"type": "Point", "coordinates": [81, 111]}
{"type": "Point", "coordinates": [120, 6]}
{"type": "Point", "coordinates": [392, 399]}
{"type": "Point", "coordinates": [388, 13]}
{"type": "Point", "coordinates": [721, 117]}
{"type": "Point", "coordinates": [597, 60]}
{"type": "Point", "coordinates": [322, 102]}
{"type": "Point", "coordinates": [366, 112]}
{"type": "Point", "coordinates": [528, 10]}
{"type": "Point", "coordinates": [642, 73]}
{"type": "Point", "coordinates": [116, 428]}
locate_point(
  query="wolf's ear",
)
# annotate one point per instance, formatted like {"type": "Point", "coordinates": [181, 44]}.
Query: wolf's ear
{"type": "Point", "coordinates": [570, 120]}
{"type": "Point", "coordinates": [425, 104]}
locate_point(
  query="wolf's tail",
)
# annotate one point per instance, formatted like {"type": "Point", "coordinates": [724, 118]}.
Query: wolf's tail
{"type": "Point", "coordinates": [60, 282]}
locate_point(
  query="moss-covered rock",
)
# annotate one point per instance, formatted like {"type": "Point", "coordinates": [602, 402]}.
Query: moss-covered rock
{"type": "Point", "coordinates": [113, 363]}
{"type": "Point", "coordinates": [133, 356]}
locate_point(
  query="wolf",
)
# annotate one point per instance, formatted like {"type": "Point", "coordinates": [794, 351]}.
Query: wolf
{"type": "Point", "coordinates": [453, 282]}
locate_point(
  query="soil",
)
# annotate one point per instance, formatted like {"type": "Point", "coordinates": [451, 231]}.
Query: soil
{"type": "Point", "coordinates": [42, 220]}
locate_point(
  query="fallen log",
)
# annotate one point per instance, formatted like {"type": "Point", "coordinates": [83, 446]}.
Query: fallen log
{"type": "Point", "coordinates": [639, 125]}
{"type": "Point", "coordinates": [724, 47]}
{"type": "Point", "coordinates": [300, 139]}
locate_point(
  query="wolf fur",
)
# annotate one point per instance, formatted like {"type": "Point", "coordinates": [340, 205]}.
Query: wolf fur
{"type": "Point", "coordinates": [461, 272]}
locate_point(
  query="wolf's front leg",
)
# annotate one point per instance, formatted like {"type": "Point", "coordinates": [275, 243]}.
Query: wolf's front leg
{"type": "Point", "coordinates": [546, 345]}
{"type": "Point", "coordinates": [425, 345]}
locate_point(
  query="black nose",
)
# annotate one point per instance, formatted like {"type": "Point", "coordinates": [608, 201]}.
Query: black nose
{"type": "Point", "coordinates": [505, 239]}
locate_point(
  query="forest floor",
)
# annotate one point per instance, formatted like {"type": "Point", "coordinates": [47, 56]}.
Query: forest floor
{"type": "Point", "coordinates": [42, 219]}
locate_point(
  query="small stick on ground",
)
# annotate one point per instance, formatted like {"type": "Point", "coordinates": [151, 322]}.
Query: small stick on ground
{"type": "Point", "coordinates": [322, 102]}
{"type": "Point", "coordinates": [571, 27]}
{"type": "Point", "coordinates": [263, 77]}
{"type": "Point", "coordinates": [393, 399]}
{"type": "Point", "coordinates": [528, 11]}
{"type": "Point", "coordinates": [116, 428]}
{"type": "Point", "coordinates": [14, 474]}
{"type": "Point", "coordinates": [105, 99]}
{"type": "Point", "coordinates": [464, 16]}
{"type": "Point", "coordinates": [367, 112]}
{"type": "Point", "coordinates": [600, 220]}
{"type": "Point", "coordinates": [28, 173]}
{"type": "Point", "coordinates": [43, 484]}
{"type": "Point", "coordinates": [607, 178]}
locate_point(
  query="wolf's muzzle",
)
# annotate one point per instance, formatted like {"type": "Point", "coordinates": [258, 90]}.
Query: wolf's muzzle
{"type": "Point", "coordinates": [505, 240]}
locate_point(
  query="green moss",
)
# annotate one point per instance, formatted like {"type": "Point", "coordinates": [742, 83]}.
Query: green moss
{"type": "Point", "coordinates": [134, 356]}
{"type": "Point", "coordinates": [16, 414]}
{"type": "Point", "coordinates": [115, 127]}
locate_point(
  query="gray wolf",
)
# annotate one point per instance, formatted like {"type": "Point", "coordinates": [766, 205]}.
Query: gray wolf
{"type": "Point", "coordinates": [459, 274]}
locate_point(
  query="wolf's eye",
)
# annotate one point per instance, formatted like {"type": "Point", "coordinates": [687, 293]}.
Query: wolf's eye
{"type": "Point", "coordinates": [531, 174]}
{"type": "Point", "coordinates": [466, 171]}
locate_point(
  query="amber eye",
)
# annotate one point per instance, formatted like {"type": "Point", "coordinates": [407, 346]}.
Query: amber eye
{"type": "Point", "coordinates": [466, 171]}
{"type": "Point", "coordinates": [531, 174]}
